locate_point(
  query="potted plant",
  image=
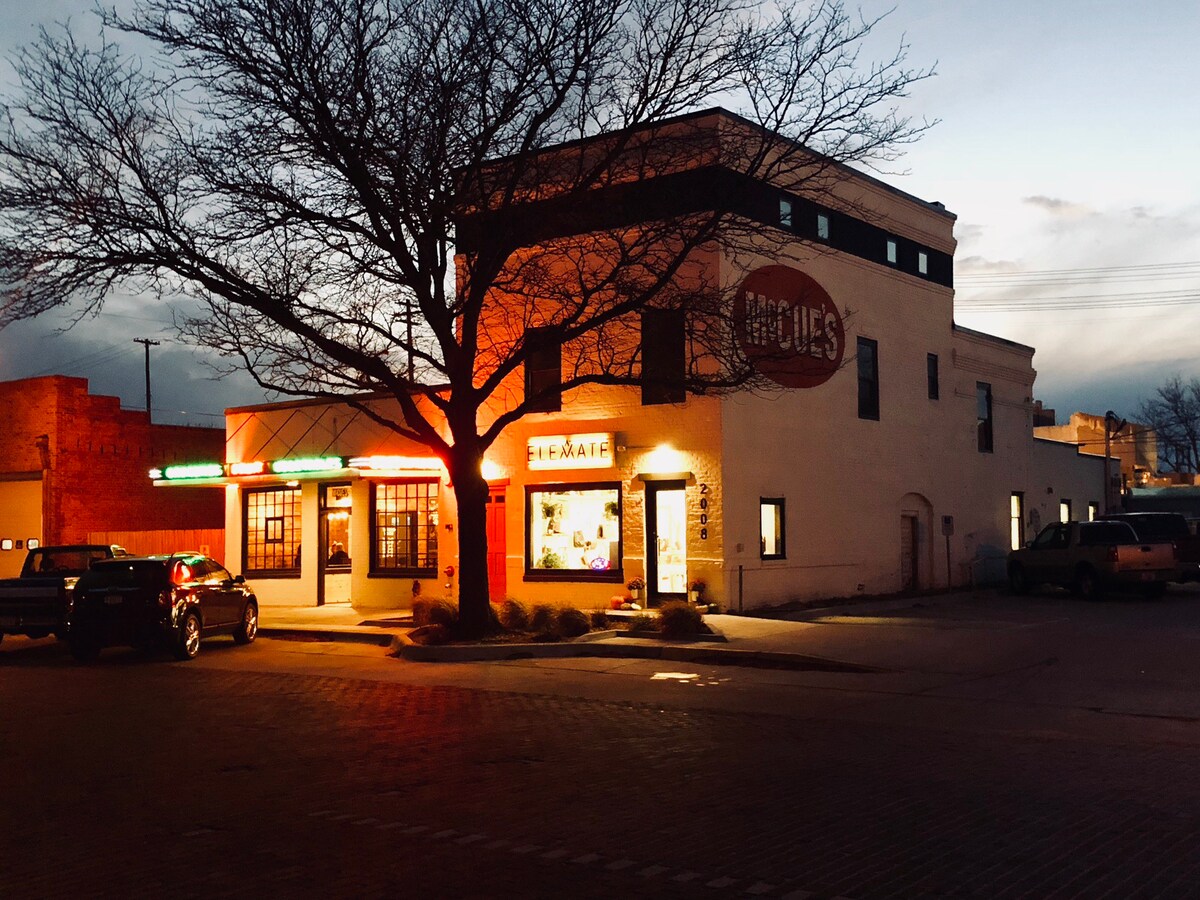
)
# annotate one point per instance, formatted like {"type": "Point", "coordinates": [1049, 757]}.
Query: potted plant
{"type": "Point", "coordinates": [696, 590]}
{"type": "Point", "coordinates": [636, 585]}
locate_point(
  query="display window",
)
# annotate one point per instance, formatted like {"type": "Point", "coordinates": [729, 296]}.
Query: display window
{"type": "Point", "coordinates": [271, 528]}
{"type": "Point", "coordinates": [336, 509]}
{"type": "Point", "coordinates": [573, 532]}
{"type": "Point", "coordinates": [404, 525]}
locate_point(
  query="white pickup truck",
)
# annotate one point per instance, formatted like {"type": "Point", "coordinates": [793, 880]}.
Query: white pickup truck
{"type": "Point", "coordinates": [1091, 557]}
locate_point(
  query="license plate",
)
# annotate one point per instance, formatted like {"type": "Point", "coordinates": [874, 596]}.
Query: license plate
{"type": "Point", "coordinates": [113, 599]}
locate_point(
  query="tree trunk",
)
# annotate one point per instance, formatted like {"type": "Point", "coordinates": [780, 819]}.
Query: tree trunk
{"type": "Point", "coordinates": [471, 495]}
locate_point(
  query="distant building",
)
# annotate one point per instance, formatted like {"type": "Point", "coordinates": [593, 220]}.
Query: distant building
{"type": "Point", "coordinates": [73, 467]}
{"type": "Point", "coordinates": [1135, 446]}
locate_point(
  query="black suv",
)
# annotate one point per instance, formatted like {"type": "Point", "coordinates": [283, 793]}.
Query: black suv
{"type": "Point", "coordinates": [146, 601]}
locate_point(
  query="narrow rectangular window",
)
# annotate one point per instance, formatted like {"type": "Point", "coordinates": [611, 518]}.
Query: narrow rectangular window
{"type": "Point", "coordinates": [923, 262]}
{"type": "Point", "coordinates": [868, 379]}
{"type": "Point", "coordinates": [271, 530]}
{"type": "Point", "coordinates": [983, 416]}
{"type": "Point", "coordinates": [822, 226]}
{"type": "Point", "coordinates": [892, 255]}
{"type": "Point", "coordinates": [543, 370]}
{"type": "Point", "coordinates": [1016, 514]}
{"type": "Point", "coordinates": [931, 375]}
{"type": "Point", "coordinates": [1093, 510]}
{"type": "Point", "coordinates": [1064, 510]}
{"type": "Point", "coordinates": [404, 528]}
{"type": "Point", "coordinates": [785, 212]}
{"type": "Point", "coordinates": [664, 361]}
{"type": "Point", "coordinates": [771, 527]}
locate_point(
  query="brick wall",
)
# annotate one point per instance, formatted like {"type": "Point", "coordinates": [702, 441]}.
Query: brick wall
{"type": "Point", "coordinates": [95, 457]}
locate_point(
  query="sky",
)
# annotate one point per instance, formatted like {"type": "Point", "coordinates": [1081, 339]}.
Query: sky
{"type": "Point", "coordinates": [1066, 143]}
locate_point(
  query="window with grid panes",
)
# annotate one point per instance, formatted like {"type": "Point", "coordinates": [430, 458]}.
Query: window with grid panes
{"type": "Point", "coordinates": [272, 530]}
{"type": "Point", "coordinates": [404, 527]}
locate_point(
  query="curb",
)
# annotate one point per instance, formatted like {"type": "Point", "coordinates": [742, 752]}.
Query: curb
{"type": "Point", "coordinates": [617, 649]}
{"type": "Point", "coordinates": [351, 634]}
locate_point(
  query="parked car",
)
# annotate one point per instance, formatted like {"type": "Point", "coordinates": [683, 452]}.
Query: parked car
{"type": "Point", "coordinates": [1166, 526]}
{"type": "Point", "coordinates": [1091, 557]}
{"type": "Point", "coordinates": [151, 601]}
{"type": "Point", "coordinates": [38, 601]}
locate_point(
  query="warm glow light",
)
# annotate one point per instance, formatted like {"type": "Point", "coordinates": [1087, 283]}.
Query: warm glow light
{"type": "Point", "coordinates": [338, 515]}
{"type": "Point", "coordinates": [490, 470]}
{"type": "Point", "coordinates": [309, 464]}
{"type": "Point", "coordinates": [193, 470]}
{"type": "Point", "coordinates": [247, 468]}
{"type": "Point", "coordinates": [663, 459]}
{"type": "Point", "coordinates": [419, 463]}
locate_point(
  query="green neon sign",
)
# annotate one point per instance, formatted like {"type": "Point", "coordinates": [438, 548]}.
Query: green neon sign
{"type": "Point", "coordinates": [309, 464]}
{"type": "Point", "coordinates": [193, 470]}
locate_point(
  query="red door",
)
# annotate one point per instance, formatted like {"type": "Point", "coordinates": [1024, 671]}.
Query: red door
{"type": "Point", "coordinates": [497, 583]}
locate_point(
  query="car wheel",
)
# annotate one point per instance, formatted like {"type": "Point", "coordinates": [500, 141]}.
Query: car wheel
{"type": "Point", "coordinates": [1086, 584]}
{"type": "Point", "coordinates": [37, 634]}
{"type": "Point", "coordinates": [187, 642]}
{"type": "Point", "coordinates": [247, 629]}
{"type": "Point", "coordinates": [1018, 581]}
{"type": "Point", "coordinates": [84, 647]}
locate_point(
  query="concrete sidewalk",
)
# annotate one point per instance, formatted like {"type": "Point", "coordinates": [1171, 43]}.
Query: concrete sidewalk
{"type": "Point", "coordinates": [775, 642]}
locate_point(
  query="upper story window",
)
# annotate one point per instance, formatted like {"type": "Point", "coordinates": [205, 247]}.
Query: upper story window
{"type": "Point", "coordinates": [868, 379]}
{"type": "Point", "coordinates": [892, 253]}
{"type": "Point", "coordinates": [823, 226]}
{"type": "Point", "coordinates": [543, 371]}
{"type": "Point", "coordinates": [785, 212]}
{"type": "Point", "coordinates": [983, 416]}
{"type": "Point", "coordinates": [931, 376]}
{"type": "Point", "coordinates": [923, 262]}
{"type": "Point", "coordinates": [664, 362]}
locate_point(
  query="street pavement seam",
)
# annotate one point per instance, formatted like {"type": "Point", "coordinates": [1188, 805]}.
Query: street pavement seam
{"type": "Point", "coordinates": [716, 881]}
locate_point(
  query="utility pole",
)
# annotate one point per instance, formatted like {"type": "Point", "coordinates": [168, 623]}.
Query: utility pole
{"type": "Point", "coordinates": [148, 344]}
{"type": "Point", "coordinates": [1110, 419]}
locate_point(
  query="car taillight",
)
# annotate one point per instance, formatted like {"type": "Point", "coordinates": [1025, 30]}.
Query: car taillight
{"type": "Point", "coordinates": [1112, 553]}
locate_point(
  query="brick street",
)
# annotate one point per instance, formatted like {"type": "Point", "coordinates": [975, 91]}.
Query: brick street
{"type": "Point", "coordinates": [242, 774]}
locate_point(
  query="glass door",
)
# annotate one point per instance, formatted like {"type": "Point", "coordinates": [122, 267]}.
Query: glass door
{"type": "Point", "coordinates": [666, 539]}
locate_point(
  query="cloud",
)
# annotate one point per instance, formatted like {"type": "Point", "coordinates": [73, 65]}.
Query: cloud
{"type": "Point", "coordinates": [1058, 207]}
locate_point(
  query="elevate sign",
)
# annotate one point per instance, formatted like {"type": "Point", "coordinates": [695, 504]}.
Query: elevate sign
{"type": "Point", "coordinates": [570, 451]}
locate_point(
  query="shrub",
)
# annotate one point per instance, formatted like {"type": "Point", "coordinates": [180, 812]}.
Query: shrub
{"type": "Point", "coordinates": [643, 623]}
{"type": "Point", "coordinates": [435, 612]}
{"type": "Point", "coordinates": [513, 615]}
{"type": "Point", "coordinates": [599, 620]}
{"type": "Point", "coordinates": [679, 619]}
{"type": "Point", "coordinates": [573, 622]}
{"type": "Point", "coordinates": [541, 617]}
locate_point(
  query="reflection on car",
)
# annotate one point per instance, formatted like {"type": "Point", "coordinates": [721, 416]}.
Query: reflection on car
{"type": "Point", "coordinates": [152, 601]}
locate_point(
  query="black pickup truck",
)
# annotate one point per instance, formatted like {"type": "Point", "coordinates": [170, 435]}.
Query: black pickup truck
{"type": "Point", "coordinates": [38, 602]}
{"type": "Point", "coordinates": [1167, 526]}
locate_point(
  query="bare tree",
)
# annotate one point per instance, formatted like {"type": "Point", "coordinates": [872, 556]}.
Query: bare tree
{"type": "Point", "coordinates": [398, 197]}
{"type": "Point", "coordinates": [1174, 415]}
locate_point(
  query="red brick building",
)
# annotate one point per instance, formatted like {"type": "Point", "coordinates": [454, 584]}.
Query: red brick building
{"type": "Point", "coordinates": [73, 466]}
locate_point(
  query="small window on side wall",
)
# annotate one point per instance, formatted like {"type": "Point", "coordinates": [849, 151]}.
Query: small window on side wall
{"type": "Point", "coordinates": [771, 527]}
{"type": "Point", "coordinates": [822, 226]}
{"type": "Point", "coordinates": [923, 262]}
{"type": "Point", "coordinates": [892, 254]}
{"type": "Point", "coordinates": [931, 376]}
{"type": "Point", "coordinates": [1093, 510]}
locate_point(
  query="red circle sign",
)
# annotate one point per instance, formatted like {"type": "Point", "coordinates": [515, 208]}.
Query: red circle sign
{"type": "Point", "coordinates": [788, 327]}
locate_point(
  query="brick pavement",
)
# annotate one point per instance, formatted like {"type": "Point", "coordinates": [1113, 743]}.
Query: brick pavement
{"type": "Point", "coordinates": [135, 778]}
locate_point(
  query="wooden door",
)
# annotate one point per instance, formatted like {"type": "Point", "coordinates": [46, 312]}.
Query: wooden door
{"type": "Point", "coordinates": [497, 546]}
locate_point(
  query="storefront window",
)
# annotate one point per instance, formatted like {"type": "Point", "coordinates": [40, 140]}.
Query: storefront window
{"type": "Point", "coordinates": [574, 532]}
{"type": "Point", "coordinates": [404, 527]}
{"type": "Point", "coordinates": [335, 501]}
{"type": "Point", "coordinates": [272, 530]}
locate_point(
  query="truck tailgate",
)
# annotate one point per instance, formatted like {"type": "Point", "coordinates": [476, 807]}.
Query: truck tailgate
{"type": "Point", "coordinates": [1145, 557]}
